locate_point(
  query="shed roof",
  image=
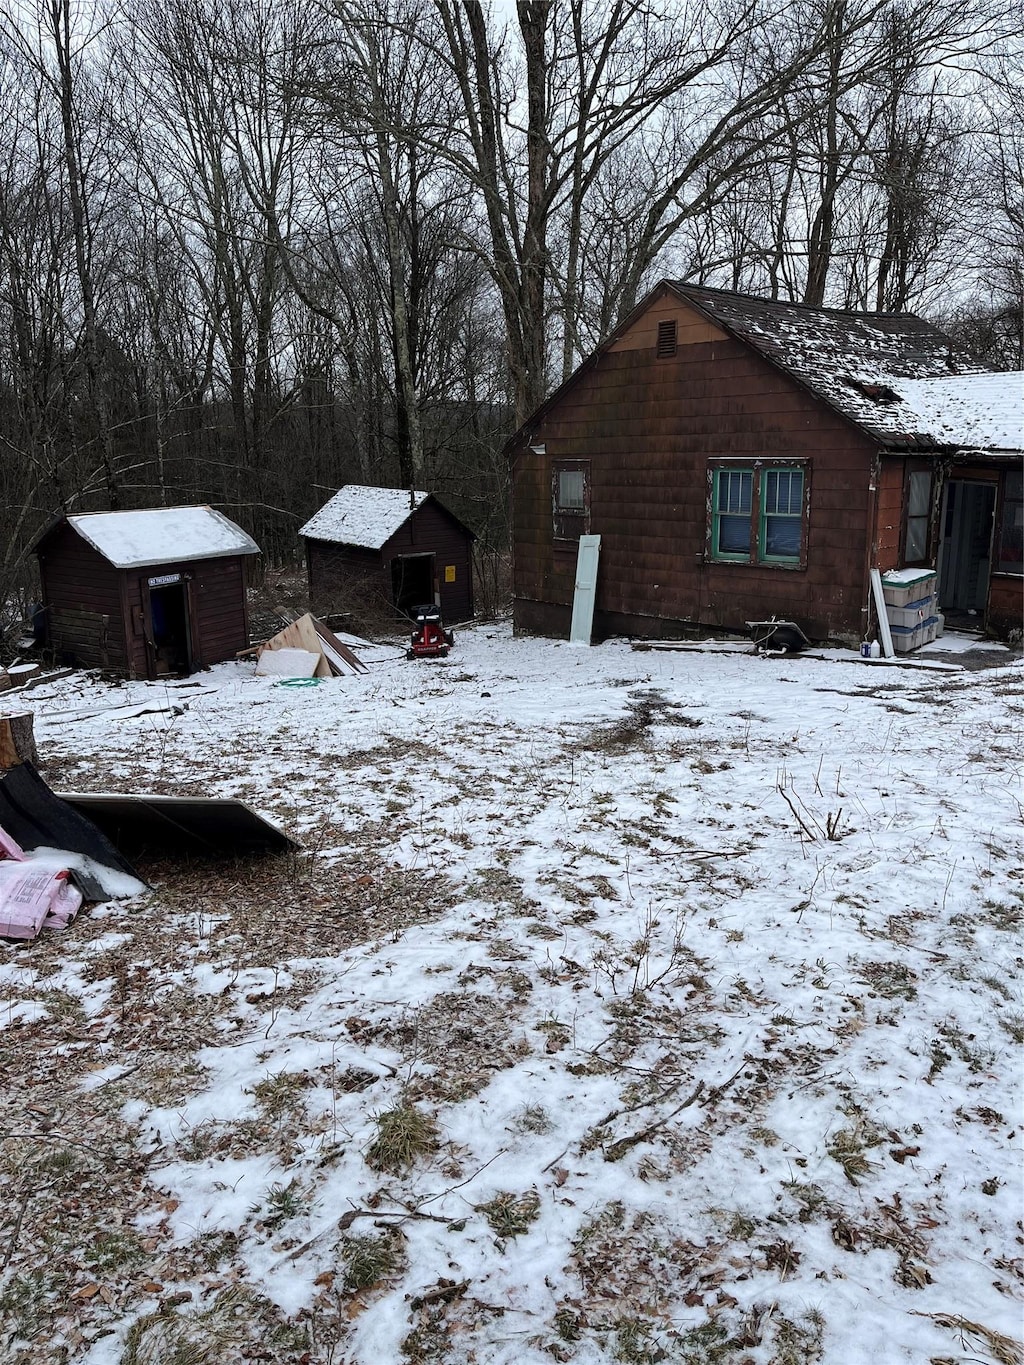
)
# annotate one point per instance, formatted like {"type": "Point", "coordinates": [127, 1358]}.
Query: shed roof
{"type": "Point", "coordinates": [894, 374]}
{"type": "Point", "coordinates": [367, 517]}
{"type": "Point", "coordinates": [162, 535]}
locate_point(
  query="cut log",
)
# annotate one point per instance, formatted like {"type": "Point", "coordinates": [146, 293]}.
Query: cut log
{"type": "Point", "coordinates": [20, 674]}
{"type": "Point", "coordinates": [17, 740]}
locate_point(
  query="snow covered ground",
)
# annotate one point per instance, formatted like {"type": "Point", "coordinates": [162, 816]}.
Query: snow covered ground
{"type": "Point", "coordinates": [624, 1005]}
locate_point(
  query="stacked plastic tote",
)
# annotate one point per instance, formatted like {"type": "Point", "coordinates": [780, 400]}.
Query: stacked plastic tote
{"type": "Point", "coordinates": [912, 608]}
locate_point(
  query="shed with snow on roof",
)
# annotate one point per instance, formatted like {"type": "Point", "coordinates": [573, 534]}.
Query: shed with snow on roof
{"type": "Point", "coordinates": [149, 593]}
{"type": "Point", "coordinates": [396, 547]}
{"type": "Point", "coordinates": [743, 458]}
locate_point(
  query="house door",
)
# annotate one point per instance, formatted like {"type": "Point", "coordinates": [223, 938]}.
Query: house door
{"type": "Point", "coordinates": [966, 546]}
{"type": "Point", "coordinates": [412, 582]}
{"type": "Point", "coordinates": [172, 634]}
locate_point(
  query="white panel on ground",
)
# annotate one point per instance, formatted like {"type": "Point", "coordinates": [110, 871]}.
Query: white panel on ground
{"type": "Point", "coordinates": [287, 663]}
{"type": "Point", "coordinates": [586, 591]}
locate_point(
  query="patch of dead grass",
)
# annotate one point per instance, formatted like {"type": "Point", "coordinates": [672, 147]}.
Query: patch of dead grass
{"type": "Point", "coordinates": [509, 1214]}
{"type": "Point", "coordinates": [463, 1037]}
{"type": "Point", "coordinates": [404, 1136]}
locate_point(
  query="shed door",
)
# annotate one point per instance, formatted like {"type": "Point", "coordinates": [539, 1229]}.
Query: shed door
{"type": "Point", "coordinates": [171, 636]}
{"type": "Point", "coordinates": [412, 582]}
{"type": "Point", "coordinates": [965, 554]}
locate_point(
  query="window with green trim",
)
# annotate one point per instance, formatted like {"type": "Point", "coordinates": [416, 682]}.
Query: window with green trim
{"type": "Point", "coordinates": [782, 514]}
{"type": "Point", "coordinates": [758, 514]}
{"type": "Point", "coordinates": [733, 502]}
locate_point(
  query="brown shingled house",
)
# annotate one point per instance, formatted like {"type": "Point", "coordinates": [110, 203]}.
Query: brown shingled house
{"type": "Point", "coordinates": [742, 459]}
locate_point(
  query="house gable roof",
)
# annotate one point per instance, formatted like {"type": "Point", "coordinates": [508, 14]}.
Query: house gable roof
{"type": "Point", "coordinates": [895, 376]}
{"type": "Point", "coordinates": [368, 517]}
{"type": "Point", "coordinates": [160, 535]}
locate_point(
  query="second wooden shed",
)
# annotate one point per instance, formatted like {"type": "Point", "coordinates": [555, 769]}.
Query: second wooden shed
{"type": "Point", "coordinates": [402, 546]}
{"type": "Point", "coordinates": [145, 593]}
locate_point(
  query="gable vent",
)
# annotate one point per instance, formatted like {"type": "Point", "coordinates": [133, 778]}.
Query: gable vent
{"type": "Point", "coordinates": [667, 337]}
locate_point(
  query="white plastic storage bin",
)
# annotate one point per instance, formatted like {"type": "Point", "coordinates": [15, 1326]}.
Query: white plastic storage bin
{"type": "Point", "coordinates": [912, 614]}
{"type": "Point", "coordinates": [905, 639]}
{"type": "Point", "coordinates": [900, 587]}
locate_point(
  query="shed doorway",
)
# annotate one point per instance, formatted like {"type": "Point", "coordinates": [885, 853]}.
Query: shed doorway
{"type": "Point", "coordinates": [412, 581]}
{"type": "Point", "coordinates": [965, 550]}
{"type": "Point", "coordinates": [172, 636]}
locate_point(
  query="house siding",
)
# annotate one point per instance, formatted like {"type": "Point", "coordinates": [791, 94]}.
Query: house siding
{"type": "Point", "coordinates": [337, 573]}
{"type": "Point", "coordinates": [432, 531]}
{"type": "Point", "coordinates": [82, 600]}
{"type": "Point", "coordinates": [649, 426]}
{"type": "Point", "coordinates": [1005, 614]}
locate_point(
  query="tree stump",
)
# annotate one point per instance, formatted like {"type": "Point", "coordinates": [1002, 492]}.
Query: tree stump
{"type": "Point", "coordinates": [17, 740]}
{"type": "Point", "coordinates": [20, 674]}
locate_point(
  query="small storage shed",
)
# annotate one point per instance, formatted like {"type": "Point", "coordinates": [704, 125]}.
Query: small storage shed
{"type": "Point", "coordinates": [147, 593]}
{"type": "Point", "coordinates": [403, 546]}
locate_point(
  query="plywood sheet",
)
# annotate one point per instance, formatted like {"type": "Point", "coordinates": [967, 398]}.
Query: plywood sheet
{"type": "Point", "coordinates": [300, 635]}
{"type": "Point", "coordinates": [307, 633]}
{"type": "Point", "coordinates": [290, 663]}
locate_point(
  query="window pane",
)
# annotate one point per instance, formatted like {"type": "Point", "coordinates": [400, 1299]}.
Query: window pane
{"type": "Point", "coordinates": [782, 537]}
{"type": "Point", "coordinates": [1011, 525]}
{"type": "Point", "coordinates": [783, 492]}
{"type": "Point", "coordinates": [917, 539]}
{"type": "Point", "coordinates": [734, 535]}
{"type": "Point", "coordinates": [919, 494]}
{"type": "Point", "coordinates": [570, 488]}
{"type": "Point", "coordinates": [782, 497]}
{"type": "Point", "coordinates": [734, 490]}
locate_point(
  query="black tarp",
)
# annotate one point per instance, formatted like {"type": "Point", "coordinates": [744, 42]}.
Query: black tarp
{"type": "Point", "coordinates": [37, 818]}
{"type": "Point", "coordinates": [204, 825]}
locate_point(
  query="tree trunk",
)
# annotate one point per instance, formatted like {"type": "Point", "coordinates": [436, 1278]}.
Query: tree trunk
{"type": "Point", "coordinates": [17, 740]}
{"type": "Point", "coordinates": [60, 26]}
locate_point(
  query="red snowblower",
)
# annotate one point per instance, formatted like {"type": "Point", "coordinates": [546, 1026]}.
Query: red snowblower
{"type": "Point", "coordinates": [430, 640]}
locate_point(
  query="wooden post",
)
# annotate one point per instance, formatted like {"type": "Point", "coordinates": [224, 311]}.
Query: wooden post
{"type": "Point", "coordinates": [17, 740]}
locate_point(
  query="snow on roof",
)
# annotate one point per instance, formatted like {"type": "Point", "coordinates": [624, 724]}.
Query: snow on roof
{"type": "Point", "coordinates": [974, 411]}
{"type": "Point", "coordinates": [162, 535]}
{"type": "Point", "coordinates": [367, 517]}
{"type": "Point", "coordinates": [893, 374]}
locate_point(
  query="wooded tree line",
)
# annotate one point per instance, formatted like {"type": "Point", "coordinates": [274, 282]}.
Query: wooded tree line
{"type": "Point", "coordinates": [253, 249]}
